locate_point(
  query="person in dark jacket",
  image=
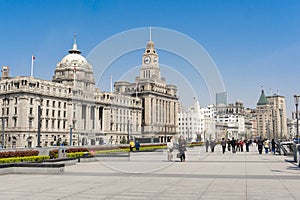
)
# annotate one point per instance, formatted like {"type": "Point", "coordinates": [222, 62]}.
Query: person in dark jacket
{"type": "Point", "coordinates": [181, 148]}
{"type": "Point", "coordinates": [273, 145]}
{"type": "Point", "coordinates": [260, 145]}
{"type": "Point", "coordinates": [223, 144]}
{"type": "Point", "coordinates": [233, 145]}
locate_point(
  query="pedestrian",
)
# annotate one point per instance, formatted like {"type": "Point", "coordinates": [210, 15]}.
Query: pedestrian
{"type": "Point", "coordinates": [137, 145]}
{"type": "Point", "coordinates": [212, 145]}
{"type": "Point", "coordinates": [266, 146]}
{"type": "Point", "coordinates": [181, 148]}
{"type": "Point", "coordinates": [131, 145]}
{"type": "Point", "coordinates": [242, 145]}
{"type": "Point", "coordinates": [237, 143]}
{"type": "Point", "coordinates": [228, 144]}
{"type": "Point", "coordinates": [233, 145]}
{"type": "Point", "coordinates": [273, 145]}
{"type": "Point", "coordinates": [223, 144]}
{"type": "Point", "coordinates": [170, 148]}
{"type": "Point", "coordinates": [247, 143]}
{"type": "Point", "coordinates": [206, 145]}
{"type": "Point", "coordinates": [259, 145]}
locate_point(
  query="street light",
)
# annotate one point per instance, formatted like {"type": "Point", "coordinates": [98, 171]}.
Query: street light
{"type": "Point", "coordinates": [280, 113]}
{"type": "Point", "coordinates": [296, 99]}
{"type": "Point", "coordinates": [71, 135]}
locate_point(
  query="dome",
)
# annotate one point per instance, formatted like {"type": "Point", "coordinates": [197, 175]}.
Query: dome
{"type": "Point", "coordinates": [74, 60]}
{"type": "Point", "coordinates": [72, 64]}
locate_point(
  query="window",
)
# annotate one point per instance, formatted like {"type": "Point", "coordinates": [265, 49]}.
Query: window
{"type": "Point", "coordinates": [31, 101]}
{"type": "Point", "coordinates": [53, 113]}
{"type": "Point", "coordinates": [30, 111]}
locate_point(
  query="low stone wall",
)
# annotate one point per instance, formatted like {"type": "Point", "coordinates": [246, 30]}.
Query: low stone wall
{"type": "Point", "coordinates": [32, 168]}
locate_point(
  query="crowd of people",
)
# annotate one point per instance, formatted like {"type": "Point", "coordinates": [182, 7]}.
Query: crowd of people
{"type": "Point", "coordinates": [231, 145]}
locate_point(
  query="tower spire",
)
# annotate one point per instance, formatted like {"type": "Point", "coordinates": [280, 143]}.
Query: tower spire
{"type": "Point", "coordinates": [150, 34]}
{"type": "Point", "coordinates": [75, 45]}
{"type": "Point", "coordinates": [75, 50]}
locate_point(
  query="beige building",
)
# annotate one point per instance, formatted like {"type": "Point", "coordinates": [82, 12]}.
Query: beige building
{"type": "Point", "coordinates": [271, 117]}
{"type": "Point", "coordinates": [68, 109]}
{"type": "Point", "coordinates": [159, 100]}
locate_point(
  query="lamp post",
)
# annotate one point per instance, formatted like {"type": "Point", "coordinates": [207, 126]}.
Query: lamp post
{"type": "Point", "coordinates": [280, 113]}
{"type": "Point", "coordinates": [71, 135]}
{"type": "Point", "coordinates": [296, 99]}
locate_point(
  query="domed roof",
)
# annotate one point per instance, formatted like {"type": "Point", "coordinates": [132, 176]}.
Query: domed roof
{"type": "Point", "coordinates": [71, 64]}
{"type": "Point", "coordinates": [74, 59]}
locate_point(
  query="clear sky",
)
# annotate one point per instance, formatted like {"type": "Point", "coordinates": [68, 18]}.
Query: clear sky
{"type": "Point", "coordinates": [253, 43]}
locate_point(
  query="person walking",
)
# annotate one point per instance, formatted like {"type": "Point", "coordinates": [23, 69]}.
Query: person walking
{"type": "Point", "coordinates": [228, 144]}
{"type": "Point", "coordinates": [266, 146]}
{"type": "Point", "coordinates": [206, 145]}
{"type": "Point", "coordinates": [247, 143]}
{"type": "Point", "coordinates": [137, 145]}
{"type": "Point", "coordinates": [233, 145]}
{"type": "Point", "coordinates": [259, 145]}
{"type": "Point", "coordinates": [223, 144]}
{"type": "Point", "coordinates": [181, 148]}
{"type": "Point", "coordinates": [242, 145]}
{"type": "Point", "coordinates": [212, 145]}
{"type": "Point", "coordinates": [170, 148]}
{"type": "Point", "coordinates": [273, 145]}
{"type": "Point", "coordinates": [131, 145]}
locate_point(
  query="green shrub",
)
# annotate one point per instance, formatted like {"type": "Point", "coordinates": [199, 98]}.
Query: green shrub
{"type": "Point", "coordinates": [24, 159]}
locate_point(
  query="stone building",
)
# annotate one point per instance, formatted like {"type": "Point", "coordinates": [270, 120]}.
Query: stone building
{"type": "Point", "coordinates": [159, 100]}
{"type": "Point", "coordinates": [69, 109]}
{"type": "Point", "coordinates": [271, 116]}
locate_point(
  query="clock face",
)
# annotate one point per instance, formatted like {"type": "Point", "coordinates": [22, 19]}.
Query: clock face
{"type": "Point", "coordinates": [155, 60]}
{"type": "Point", "coordinates": [147, 60]}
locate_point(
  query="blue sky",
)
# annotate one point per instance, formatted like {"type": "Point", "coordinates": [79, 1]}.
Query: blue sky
{"type": "Point", "coordinates": [253, 43]}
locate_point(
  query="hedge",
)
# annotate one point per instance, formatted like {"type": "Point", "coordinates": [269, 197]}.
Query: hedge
{"type": "Point", "coordinates": [24, 159]}
{"type": "Point", "coordinates": [9, 154]}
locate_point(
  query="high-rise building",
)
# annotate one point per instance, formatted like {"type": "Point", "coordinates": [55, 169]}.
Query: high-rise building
{"type": "Point", "coordinates": [271, 117]}
{"type": "Point", "coordinates": [221, 99]}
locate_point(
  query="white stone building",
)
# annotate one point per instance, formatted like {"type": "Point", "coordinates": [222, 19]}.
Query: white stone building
{"type": "Point", "coordinates": [68, 109]}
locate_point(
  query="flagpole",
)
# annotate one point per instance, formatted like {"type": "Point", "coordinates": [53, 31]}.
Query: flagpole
{"type": "Point", "coordinates": [111, 83]}
{"type": "Point", "coordinates": [31, 72]}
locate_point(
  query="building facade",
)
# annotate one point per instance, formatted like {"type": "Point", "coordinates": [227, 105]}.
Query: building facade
{"type": "Point", "coordinates": [159, 100]}
{"type": "Point", "coordinates": [271, 117]}
{"type": "Point", "coordinates": [68, 109]}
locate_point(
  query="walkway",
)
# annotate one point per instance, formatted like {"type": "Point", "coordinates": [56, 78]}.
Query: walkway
{"type": "Point", "coordinates": [150, 176]}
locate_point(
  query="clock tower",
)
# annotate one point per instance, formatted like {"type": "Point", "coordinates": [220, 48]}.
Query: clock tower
{"type": "Point", "coordinates": [150, 67]}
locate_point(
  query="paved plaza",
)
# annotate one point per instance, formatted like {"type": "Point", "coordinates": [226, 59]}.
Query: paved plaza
{"type": "Point", "coordinates": [147, 175]}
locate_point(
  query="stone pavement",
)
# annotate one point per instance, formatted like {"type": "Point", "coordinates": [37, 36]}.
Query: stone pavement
{"type": "Point", "coordinates": [147, 175]}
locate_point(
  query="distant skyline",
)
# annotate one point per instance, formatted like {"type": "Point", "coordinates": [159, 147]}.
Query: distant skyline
{"type": "Point", "coordinates": [253, 43]}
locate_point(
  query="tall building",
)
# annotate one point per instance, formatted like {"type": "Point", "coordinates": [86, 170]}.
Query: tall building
{"type": "Point", "coordinates": [189, 123]}
{"type": "Point", "coordinates": [271, 117]}
{"type": "Point", "coordinates": [221, 98]}
{"type": "Point", "coordinates": [278, 116]}
{"type": "Point", "coordinates": [159, 100]}
{"type": "Point", "coordinates": [68, 109]}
